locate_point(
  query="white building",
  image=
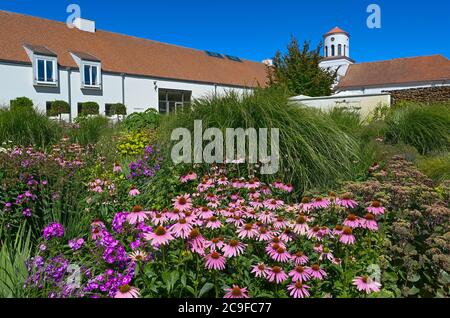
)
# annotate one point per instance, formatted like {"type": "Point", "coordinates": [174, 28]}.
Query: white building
{"type": "Point", "coordinates": [363, 86]}
{"type": "Point", "coordinates": [46, 60]}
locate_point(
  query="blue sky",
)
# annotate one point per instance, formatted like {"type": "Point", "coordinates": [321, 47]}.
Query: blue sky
{"type": "Point", "coordinates": [255, 29]}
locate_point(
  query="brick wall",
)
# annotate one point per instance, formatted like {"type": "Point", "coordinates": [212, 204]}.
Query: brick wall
{"type": "Point", "coordinates": [423, 95]}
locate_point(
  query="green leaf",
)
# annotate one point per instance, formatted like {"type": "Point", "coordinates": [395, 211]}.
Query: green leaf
{"type": "Point", "coordinates": [205, 289]}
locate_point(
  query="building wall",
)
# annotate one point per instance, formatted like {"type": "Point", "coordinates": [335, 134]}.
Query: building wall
{"type": "Point", "coordinates": [139, 93]}
{"type": "Point", "coordinates": [365, 104]}
{"type": "Point", "coordinates": [387, 88]}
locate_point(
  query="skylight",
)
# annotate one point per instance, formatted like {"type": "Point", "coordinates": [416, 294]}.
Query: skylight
{"type": "Point", "coordinates": [214, 54]}
{"type": "Point", "coordinates": [233, 58]}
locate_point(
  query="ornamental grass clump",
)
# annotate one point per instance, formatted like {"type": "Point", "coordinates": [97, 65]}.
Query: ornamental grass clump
{"type": "Point", "coordinates": [314, 151]}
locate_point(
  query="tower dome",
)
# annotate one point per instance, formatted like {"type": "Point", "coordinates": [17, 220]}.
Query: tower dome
{"type": "Point", "coordinates": [336, 43]}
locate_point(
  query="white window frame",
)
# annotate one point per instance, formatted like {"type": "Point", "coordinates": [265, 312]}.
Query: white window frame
{"type": "Point", "coordinates": [98, 83]}
{"type": "Point", "coordinates": [46, 59]}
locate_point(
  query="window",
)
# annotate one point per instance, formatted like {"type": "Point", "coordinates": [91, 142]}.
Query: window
{"type": "Point", "coordinates": [91, 75]}
{"type": "Point", "coordinates": [345, 50]}
{"type": "Point", "coordinates": [45, 70]}
{"type": "Point", "coordinates": [326, 51]}
{"type": "Point", "coordinates": [170, 100]}
{"type": "Point", "coordinates": [333, 50]}
{"type": "Point", "coordinates": [340, 49]}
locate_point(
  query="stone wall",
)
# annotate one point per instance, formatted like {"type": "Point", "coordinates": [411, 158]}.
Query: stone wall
{"type": "Point", "coordinates": [423, 95]}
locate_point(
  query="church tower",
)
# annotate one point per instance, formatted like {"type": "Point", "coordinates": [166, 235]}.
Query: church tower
{"type": "Point", "coordinates": [336, 53]}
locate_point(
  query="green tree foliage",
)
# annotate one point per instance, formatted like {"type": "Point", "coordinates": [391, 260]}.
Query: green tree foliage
{"type": "Point", "coordinates": [298, 70]}
{"type": "Point", "coordinates": [22, 103]}
{"type": "Point", "coordinates": [90, 108]}
{"type": "Point", "coordinates": [59, 107]}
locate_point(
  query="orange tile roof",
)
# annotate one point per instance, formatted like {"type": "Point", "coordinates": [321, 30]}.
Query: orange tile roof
{"type": "Point", "coordinates": [397, 71]}
{"type": "Point", "coordinates": [123, 54]}
{"type": "Point", "coordinates": [335, 31]}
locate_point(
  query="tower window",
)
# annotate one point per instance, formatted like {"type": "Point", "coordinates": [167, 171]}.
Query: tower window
{"type": "Point", "coordinates": [326, 51]}
{"type": "Point", "coordinates": [345, 50]}
{"type": "Point", "coordinates": [333, 50]}
{"type": "Point", "coordinates": [340, 50]}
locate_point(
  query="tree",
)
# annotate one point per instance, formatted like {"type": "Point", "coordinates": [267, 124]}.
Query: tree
{"type": "Point", "coordinates": [298, 70]}
{"type": "Point", "coordinates": [21, 103]}
{"type": "Point", "coordinates": [59, 107]}
{"type": "Point", "coordinates": [118, 109]}
{"type": "Point", "coordinates": [89, 108]}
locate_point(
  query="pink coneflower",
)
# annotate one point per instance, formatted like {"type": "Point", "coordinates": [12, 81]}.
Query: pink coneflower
{"type": "Point", "coordinates": [306, 204]}
{"type": "Point", "coordinates": [376, 208]}
{"type": "Point", "coordinates": [213, 223]}
{"type": "Point", "coordinates": [299, 258]}
{"type": "Point", "coordinates": [280, 255]}
{"type": "Point", "coordinates": [117, 168]}
{"type": "Point", "coordinates": [273, 204]}
{"type": "Point", "coordinates": [215, 261]}
{"type": "Point", "coordinates": [266, 217]}
{"type": "Point", "coordinates": [97, 228]}
{"type": "Point", "coordinates": [369, 222]}
{"type": "Point", "coordinates": [264, 234]}
{"type": "Point", "coordinates": [127, 291]}
{"type": "Point", "coordinates": [299, 274]}
{"type": "Point", "coordinates": [326, 254]}
{"type": "Point", "coordinates": [181, 229]}
{"type": "Point", "coordinates": [159, 219]}
{"type": "Point", "coordinates": [314, 233]}
{"type": "Point", "coordinates": [316, 272]}
{"type": "Point", "coordinates": [352, 221]}
{"type": "Point", "coordinates": [321, 203]}
{"type": "Point", "coordinates": [257, 204]}
{"type": "Point", "coordinates": [133, 192]}
{"type": "Point", "coordinates": [161, 236]}
{"type": "Point", "coordinates": [277, 275]}
{"type": "Point", "coordinates": [247, 231]}
{"type": "Point", "coordinates": [337, 261]}
{"type": "Point", "coordinates": [182, 202]}
{"type": "Point", "coordinates": [197, 242]}
{"type": "Point", "coordinates": [236, 292]}
{"type": "Point", "coordinates": [346, 201]}
{"type": "Point", "coordinates": [260, 270]}
{"type": "Point", "coordinates": [215, 244]}
{"type": "Point", "coordinates": [238, 184]}
{"type": "Point", "coordinates": [137, 215]}
{"type": "Point", "coordinates": [347, 236]}
{"type": "Point", "coordinates": [287, 235]}
{"type": "Point", "coordinates": [366, 285]}
{"type": "Point", "coordinates": [288, 188]}
{"type": "Point", "coordinates": [223, 181]}
{"type": "Point", "coordinates": [205, 213]}
{"type": "Point", "coordinates": [233, 248]}
{"type": "Point", "coordinates": [236, 220]}
{"type": "Point", "coordinates": [174, 215]}
{"type": "Point", "coordinates": [189, 177]}
{"type": "Point", "coordinates": [301, 227]}
{"type": "Point", "coordinates": [298, 290]}
{"type": "Point", "coordinates": [318, 248]}
{"type": "Point", "coordinates": [253, 184]}
{"type": "Point", "coordinates": [338, 229]}
{"type": "Point", "coordinates": [280, 223]}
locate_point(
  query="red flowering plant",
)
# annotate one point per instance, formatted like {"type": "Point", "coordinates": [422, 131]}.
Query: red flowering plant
{"type": "Point", "coordinates": [234, 237]}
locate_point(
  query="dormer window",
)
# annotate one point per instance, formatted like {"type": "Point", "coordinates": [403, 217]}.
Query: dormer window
{"type": "Point", "coordinates": [45, 70]}
{"type": "Point", "coordinates": [91, 75]}
{"type": "Point", "coordinates": [45, 65]}
{"type": "Point", "coordinates": [90, 70]}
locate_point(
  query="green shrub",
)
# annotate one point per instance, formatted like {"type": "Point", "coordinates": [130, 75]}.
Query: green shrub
{"type": "Point", "coordinates": [21, 103]}
{"type": "Point", "coordinates": [314, 151]}
{"type": "Point", "coordinates": [118, 109]}
{"type": "Point", "coordinates": [89, 108]}
{"type": "Point", "coordinates": [149, 119]}
{"type": "Point", "coordinates": [59, 107]}
{"type": "Point", "coordinates": [25, 127]}
{"type": "Point", "coordinates": [436, 167]}
{"type": "Point", "coordinates": [88, 130]}
{"type": "Point", "coordinates": [425, 127]}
